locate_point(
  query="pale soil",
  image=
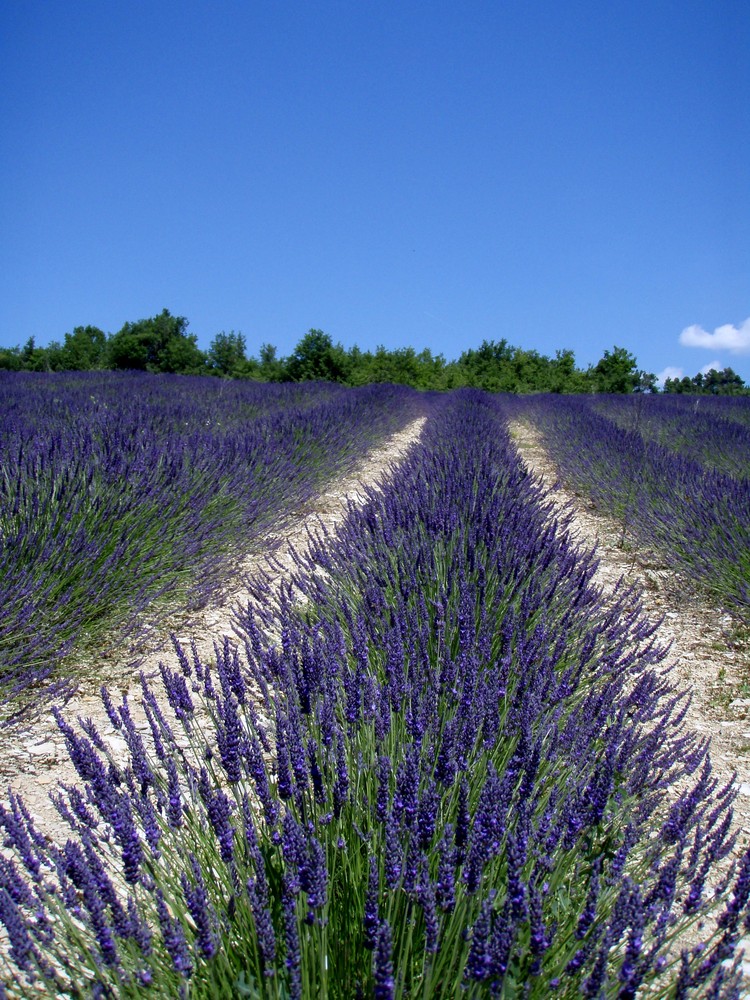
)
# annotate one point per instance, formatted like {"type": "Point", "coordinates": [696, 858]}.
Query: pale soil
{"type": "Point", "coordinates": [33, 759]}
{"type": "Point", "coordinates": [707, 654]}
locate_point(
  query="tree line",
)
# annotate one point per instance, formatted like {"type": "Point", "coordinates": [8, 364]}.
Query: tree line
{"type": "Point", "coordinates": [162, 344]}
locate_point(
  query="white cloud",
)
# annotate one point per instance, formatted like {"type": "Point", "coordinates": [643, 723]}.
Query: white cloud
{"type": "Point", "coordinates": [712, 366]}
{"type": "Point", "coordinates": [735, 339]}
{"type": "Point", "coordinates": [669, 372]}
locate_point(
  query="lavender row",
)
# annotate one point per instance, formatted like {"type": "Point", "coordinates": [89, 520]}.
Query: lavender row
{"type": "Point", "coordinates": [696, 516]}
{"type": "Point", "coordinates": [713, 430]}
{"type": "Point", "coordinates": [120, 490]}
{"type": "Point", "coordinates": [451, 770]}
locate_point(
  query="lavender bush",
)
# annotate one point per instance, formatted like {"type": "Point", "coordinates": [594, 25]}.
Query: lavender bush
{"type": "Point", "coordinates": [440, 765]}
{"type": "Point", "coordinates": [120, 490]}
{"type": "Point", "coordinates": [713, 430]}
{"type": "Point", "coordinates": [678, 503]}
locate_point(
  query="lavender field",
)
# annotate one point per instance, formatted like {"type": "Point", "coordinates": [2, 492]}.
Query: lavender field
{"type": "Point", "coordinates": [127, 493]}
{"type": "Point", "coordinates": [443, 764]}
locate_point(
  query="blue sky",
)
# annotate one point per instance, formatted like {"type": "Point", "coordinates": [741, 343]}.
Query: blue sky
{"type": "Point", "coordinates": [564, 175]}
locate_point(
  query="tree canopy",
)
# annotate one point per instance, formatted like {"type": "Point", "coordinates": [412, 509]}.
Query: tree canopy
{"type": "Point", "coordinates": [162, 343]}
{"type": "Point", "coordinates": [159, 344]}
{"type": "Point", "coordinates": [714, 382]}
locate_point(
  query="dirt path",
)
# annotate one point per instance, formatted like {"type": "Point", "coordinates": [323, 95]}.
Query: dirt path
{"type": "Point", "coordinates": [34, 760]}
{"type": "Point", "coordinates": [705, 655]}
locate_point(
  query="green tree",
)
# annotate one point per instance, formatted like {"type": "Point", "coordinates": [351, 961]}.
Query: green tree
{"type": "Point", "coordinates": [317, 358]}
{"type": "Point", "coordinates": [10, 359]}
{"type": "Point", "coordinates": [646, 382]}
{"type": "Point", "coordinates": [489, 366]}
{"type": "Point", "coordinates": [718, 383]}
{"type": "Point", "coordinates": [226, 355]}
{"type": "Point", "coordinates": [159, 344]}
{"type": "Point", "coordinates": [723, 383]}
{"type": "Point", "coordinates": [563, 374]}
{"type": "Point", "coordinates": [271, 368]}
{"type": "Point", "coordinates": [33, 358]}
{"type": "Point", "coordinates": [616, 371]}
{"type": "Point", "coordinates": [84, 349]}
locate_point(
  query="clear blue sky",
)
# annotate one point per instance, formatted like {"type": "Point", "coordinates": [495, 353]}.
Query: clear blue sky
{"type": "Point", "coordinates": [564, 175]}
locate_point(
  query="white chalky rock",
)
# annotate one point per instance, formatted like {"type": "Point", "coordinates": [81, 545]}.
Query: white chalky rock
{"type": "Point", "coordinates": [117, 744]}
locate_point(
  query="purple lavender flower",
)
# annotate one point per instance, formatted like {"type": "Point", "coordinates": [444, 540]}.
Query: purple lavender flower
{"type": "Point", "coordinates": [138, 929]}
{"type": "Point", "coordinates": [181, 655]}
{"type": "Point", "coordinates": [371, 920]}
{"type": "Point", "coordinates": [632, 970]}
{"type": "Point", "coordinates": [479, 960]}
{"type": "Point", "coordinates": [394, 863]}
{"type": "Point", "coordinates": [89, 727]}
{"type": "Point", "coordinates": [201, 910]}
{"type": "Point", "coordinates": [229, 737]}
{"type": "Point", "coordinates": [127, 837]}
{"type": "Point", "coordinates": [341, 785]}
{"type": "Point", "coordinates": [384, 788]}
{"type": "Point", "coordinates": [588, 914]}
{"type": "Point", "coordinates": [382, 714]}
{"type": "Point", "coordinates": [77, 868]}
{"type": "Point", "coordinates": [109, 707]}
{"type": "Point", "coordinates": [382, 963]}
{"type": "Point", "coordinates": [208, 684]}
{"type": "Point", "coordinates": [140, 764]}
{"type": "Point", "coordinates": [314, 878]}
{"type": "Point", "coordinates": [445, 766]}
{"type": "Point", "coordinates": [486, 832]}
{"type": "Point", "coordinates": [21, 945]}
{"type": "Point", "coordinates": [79, 807]}
{"type": "Point", "coordinates": [149, 821]}
{"type": "Point", "coordinates": [104, 886]}
{"type": "Point", "coordinates": [156, 732]}
{"type": "Point", "coordinates": [427, 815]}
{"type": "Point", "coordinates": [173, 936]}
{"type": "Point", "coordinates": [293, 959]}
{"type": "Point", "coordinates": [293, 848]}
{"type": "Point", "coordinates": [414, 858]}
{"type": "Point", "coordinates": [593, 986]}
{"type": "Point", "coordinates": [219, 811]}
{"type": "Point", "coordinates": [297, 755]}
{"type": "Point", "coordinates": [315, 773]}
{"type": "Point", "coordinates": [428, 902]}
{"type": "Point", "coordinates": [177, 693]}
{"type": "Point", "coordinates": [256, 766]}
{"type": "Point", "coordinates": [462, 815]}
{"type": "Point", "coordinates": [151, 702]}
{"type": "Point", "coordinates": [283, 766]}
{"type": "Point", "coordinates": [502, 937]}
{"type": "Point", "coordinates": [405, 798]}
{"type": "Point", "coordinates": [229, 670]}
{"type": "Point", "coordinates": [12, 881]}
{"type": "Point", "coordinates": [174, 796]}
{"type": "Point", "coordinates": [446, 879]}
{"type": "Point", "coordinates": [264, 932]}
{"type": "Point", "coordinates": [729, 919]}
{"type": "Point", "coordinates": [89, 767]}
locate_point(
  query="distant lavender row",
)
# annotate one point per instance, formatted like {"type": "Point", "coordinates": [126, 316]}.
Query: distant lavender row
{"type": "Point", "coordinates": [714, 430]}
{"type": "Point", "coordinates": [118, 489]}
{"type": "Point", "coordinates": [456, 773]}
{"type": "Point", "coordinates": [652, 465]}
